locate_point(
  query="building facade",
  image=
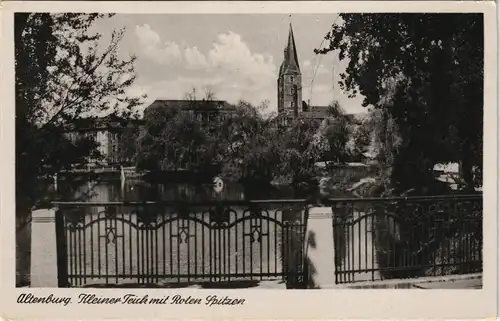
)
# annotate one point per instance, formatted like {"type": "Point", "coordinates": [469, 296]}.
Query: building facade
{"type": "Point", "coordinates": [107, 132]}
{"type": "Point", "coordinates": [204, 110]}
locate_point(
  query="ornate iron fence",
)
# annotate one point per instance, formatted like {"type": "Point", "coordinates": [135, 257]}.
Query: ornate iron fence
{"type": "Point", "coordinates": [181, 244]}
{"type": "Point", "coordinates": [405, 237]}
{"type": "Point", "coordinates": [243, 242]}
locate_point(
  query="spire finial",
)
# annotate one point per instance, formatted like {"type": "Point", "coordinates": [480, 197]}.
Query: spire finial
{"type": "Point", "coordinates": [291, 51]}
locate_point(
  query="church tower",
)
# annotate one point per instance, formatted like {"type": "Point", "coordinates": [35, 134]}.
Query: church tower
{"type": "Point", "coordinates": [290, 81]}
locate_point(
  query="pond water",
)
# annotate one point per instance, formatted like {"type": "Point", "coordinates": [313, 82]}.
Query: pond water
{"type": "Point", "coordinates": [113, 190]}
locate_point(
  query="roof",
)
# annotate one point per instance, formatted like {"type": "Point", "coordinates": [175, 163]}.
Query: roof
{"type": "Point", "coordinates": [447, 168]}
{"type": "Point", "coordinates": [319, 108]}
{"type": "Point", "coordinates": [321, 112]}
{"type": "Point", "coordinates": [195, 105]}
{"type": "Point", "coordinates": [102, 123]}
{"type": "Point", "coordinates": [315, 114]}
{"type": "Point", "coordinates": [290, 63]}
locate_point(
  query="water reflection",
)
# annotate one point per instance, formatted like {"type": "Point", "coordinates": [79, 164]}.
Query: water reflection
{"type": "Point", "coordinates": [112, 190]}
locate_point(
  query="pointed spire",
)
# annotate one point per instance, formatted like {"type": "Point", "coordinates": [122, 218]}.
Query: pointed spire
{"type": "Point", "coordinates": [291, 61]}
{"type": "Point", "coordinates": [291, 46]}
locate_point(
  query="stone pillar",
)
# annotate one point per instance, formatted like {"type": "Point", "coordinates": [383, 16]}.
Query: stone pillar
{"type": "Point", "coordinates": [23, 251]}
{"type": "Point", "coordinates": [319, 249]}
{"type": "Point", "coordinates": [43, 249]}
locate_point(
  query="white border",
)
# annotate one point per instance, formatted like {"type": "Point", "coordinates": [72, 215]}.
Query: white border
{"type": "Point", "coordinates": [338, 304]}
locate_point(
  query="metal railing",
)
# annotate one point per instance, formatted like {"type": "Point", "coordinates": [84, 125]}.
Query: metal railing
{"type": "Point", "coordinates": [180, 244]}
{"type": "Point", "coordinates": [207, 243]}
{"type": "Point", "coordinates": [406, 237]}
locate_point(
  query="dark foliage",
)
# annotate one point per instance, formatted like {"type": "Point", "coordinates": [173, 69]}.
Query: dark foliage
{"type": "Point", "coordinates": [425, 71]}
{"type": "Point", "coordinates": [63, 71]}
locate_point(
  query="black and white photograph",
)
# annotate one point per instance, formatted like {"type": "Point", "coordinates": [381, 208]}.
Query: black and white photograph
{"type": "Point", "coordinates": [277, 151]}
{"type": "Point", "coordinates": [182, 156]}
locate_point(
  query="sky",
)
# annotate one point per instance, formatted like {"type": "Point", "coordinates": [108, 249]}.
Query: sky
{"type": "Point", "coordinates": [236, 56]}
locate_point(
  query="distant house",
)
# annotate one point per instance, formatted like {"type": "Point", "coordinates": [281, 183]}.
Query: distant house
{"type": "Point", "coordinates": [205, 110]}
{"type": "Point", "coordinates": [107, 133]}
{"type": "Point", "coordinates": [315, 112]}
{"type": "Point", "coordinates": [324, 112]}
{"type": "Point", "coordinates": [448, 173]}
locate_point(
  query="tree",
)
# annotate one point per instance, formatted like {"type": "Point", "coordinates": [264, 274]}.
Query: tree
{"type": "Point", "coordinates": [261, 148]}
{"type": "Point", "coordinates": [174, 139]}
{"type": "Point", "coordinates": [335, 110]}
{"type": "Point", "coordinates": [129, 137]}
{"type": "Point", "coordinates": [337, 135]}
{"type": "Point", "coordinates": [426, 72]}
{"type": "Point", "coordinates": [362, 137]}
{"type": "Point", "coordinates": [209, 94]}
{"type": "Point", "coordinates": [337, 131]}
{"type": "Point", "coordinates": [248, 145]}
{"type": "Point", "coordinates": [62, 72]}
{"type": "Point", "coordinates": [191, 95]}
{"type": "Point", "coordinates": [300, 146]}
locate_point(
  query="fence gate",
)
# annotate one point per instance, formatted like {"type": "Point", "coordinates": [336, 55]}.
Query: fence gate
{"type": "Point", "coordinates": [179, 245]}
{"type": "Point", "coordinates": [395, 238]}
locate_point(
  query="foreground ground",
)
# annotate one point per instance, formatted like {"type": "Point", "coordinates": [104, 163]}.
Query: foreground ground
{"type": "Point", "coordinates": [459, 284]}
